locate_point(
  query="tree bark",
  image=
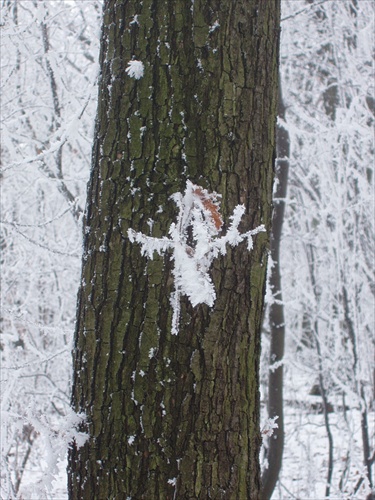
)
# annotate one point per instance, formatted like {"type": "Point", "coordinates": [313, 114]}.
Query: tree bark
{"type": "Point", "coordinates": [174, 416]}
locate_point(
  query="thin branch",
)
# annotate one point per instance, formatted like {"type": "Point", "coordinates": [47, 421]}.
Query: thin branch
{"type": "Point", "coordinates": [40, 245]}
{"type": "Point", "coordinates": [41, 224]}
{"type": "Point", "coordinates": [301, 11]}
{"type": "Point", "coordinates": [46, 45]}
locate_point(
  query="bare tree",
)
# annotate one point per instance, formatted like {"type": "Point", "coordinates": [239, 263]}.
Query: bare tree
{"type": "Point", "coordinates": [329, 232]}
{"type": "Point", "coordinates": [275, 445]}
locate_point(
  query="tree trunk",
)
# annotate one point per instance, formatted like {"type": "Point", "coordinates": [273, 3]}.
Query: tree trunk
{"type": "Point", "coordinates": [174, 416]}
{"type": "Point", "coordinates": [276, 313]}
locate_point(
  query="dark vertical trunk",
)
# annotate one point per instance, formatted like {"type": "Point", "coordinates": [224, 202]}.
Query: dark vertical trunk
{"type": "Point", "coordinates": [359, 387]}
{"type": "Point", "coordinates": [276, 313]}
{"type": "Point", "coordinates": [174, 416]}
{"type": "Point", "coordinates": [310, 251]}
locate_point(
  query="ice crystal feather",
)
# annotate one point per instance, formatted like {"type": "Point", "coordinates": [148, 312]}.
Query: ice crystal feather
{"type": "Point", "coordinates": [199, 216]}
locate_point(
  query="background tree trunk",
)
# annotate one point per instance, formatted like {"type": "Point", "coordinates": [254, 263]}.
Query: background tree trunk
{"type": "Point", "coordinates": [276, 312]}
{"type": "Point", "coordinates": [174, 416]}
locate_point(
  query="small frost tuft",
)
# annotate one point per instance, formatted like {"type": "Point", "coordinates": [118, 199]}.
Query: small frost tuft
{"type": "Point", "coordinates": [135, 69]}
{"type": "Point", "coordinates": [269, 426]}
{"type": "Point", "coordinates": [214, 27]}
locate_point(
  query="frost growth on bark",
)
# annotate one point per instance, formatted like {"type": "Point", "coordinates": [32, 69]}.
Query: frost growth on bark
{"type": "Point", "coordinates": [135, 69]}
{"type": "Point", "coordinates": [194, 241]}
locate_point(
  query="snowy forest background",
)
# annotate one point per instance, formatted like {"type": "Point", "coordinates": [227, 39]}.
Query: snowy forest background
{"type": "Point", "coordinates": [49, 54]}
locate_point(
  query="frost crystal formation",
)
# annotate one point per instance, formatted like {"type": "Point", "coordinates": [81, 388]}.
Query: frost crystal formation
{"type": "Point", "coordinates": [135, 69]}
{"type": "Point", "coordinates": [194, 243]}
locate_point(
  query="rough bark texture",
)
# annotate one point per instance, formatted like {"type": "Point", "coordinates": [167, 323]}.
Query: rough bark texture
{"type": "Point", "coordinates": [276, 313]}
{"type": "Point", "coordinates": [174, 416]}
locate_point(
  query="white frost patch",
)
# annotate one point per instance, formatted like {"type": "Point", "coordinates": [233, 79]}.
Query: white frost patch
{"type": "Point", "coordinates": [134, 21]}
{"type": "Point", "coordinates": [55, 438]}
{"type": "Point", "coordinates": [135, 69]}
{"type": "Point", "coordinates": [214, 27]}
{"type": "Point", "coordinates": [198, 220]}
{"type": "Point", "coordinates": [269, 426]}
{"type": "Point", "coordinates": [151, 352]}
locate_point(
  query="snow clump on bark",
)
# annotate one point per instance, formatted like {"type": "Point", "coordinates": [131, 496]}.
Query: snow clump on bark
{"type": "Point", "coordinates": [135, 69]}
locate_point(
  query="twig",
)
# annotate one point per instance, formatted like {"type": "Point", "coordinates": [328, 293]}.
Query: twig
{"type": "Point", "coordinates": [303, 10]}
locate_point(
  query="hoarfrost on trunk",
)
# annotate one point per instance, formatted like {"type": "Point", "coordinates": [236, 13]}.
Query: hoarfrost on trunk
{"type": "Point", "coordinates": [194, 242]}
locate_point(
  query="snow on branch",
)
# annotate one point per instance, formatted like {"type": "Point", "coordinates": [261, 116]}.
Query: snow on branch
{"type": "Point", "coordinates": [194, 241]}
